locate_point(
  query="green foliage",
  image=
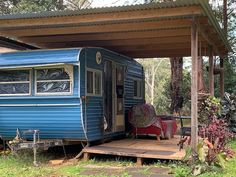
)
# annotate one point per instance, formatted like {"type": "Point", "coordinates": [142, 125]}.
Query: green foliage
{"type": "Point", "coordinates": [185, 92]}
{"type": "Point", "coordinates": [230, 60]}
{"type": "Point", "coordinates": [203, 162]}
{"type": "Point", "coordinates": [69, 170]}
{"type": "Point", "coordinates": [182, 171]}
{"type": "Point", "coordinates": [157, 76]}
{"type": "Point", "coordinates": [25, 6]}
{"type": "Point", "coordinates": [208, 109]}
{"type": "Point", "coordinates": [160, 69]}
{"type": "Point", "coordinates": [21, 166]}
{"type": "Point", "coordinates": [211, 149]}
{"type": "Point", "coordinates": [230, 74]}
{"type": "Point", "coordinates": [202, 151]}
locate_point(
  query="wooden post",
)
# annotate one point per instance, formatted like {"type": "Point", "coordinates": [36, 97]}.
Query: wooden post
{"type": "Point", "coordinates": [194, 87]}
{"type": "Point", "coordinates": [222, 89]}
{"type": "Point", "coordinates": [139, 161]}
{"type": "Point", "coordinates": [211, 72]}
{"type": "Point", "coordinates": [86, 156]}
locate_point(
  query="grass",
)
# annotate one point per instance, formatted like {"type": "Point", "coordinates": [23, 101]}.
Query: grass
{"type": "Point", "coordinates": [21, 166]}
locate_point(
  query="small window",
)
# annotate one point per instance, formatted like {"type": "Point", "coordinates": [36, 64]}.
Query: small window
{"type": "Point", "coordinates": [138, 88]}
{"type": "Point", "coordinates": [94, 82]}
{"type": "Point", "coordinates": [15, 82]}
{"type": "Point", "coordinates": [54, 80]}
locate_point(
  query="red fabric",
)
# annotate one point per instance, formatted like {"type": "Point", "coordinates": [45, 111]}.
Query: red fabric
{"type": "Point", "coordinates": [171, 128]}
{"type": "Point", "coordinates": [168, 126]}
{"type": "Point", "coordinates": [147, 130]}
{"type": "Point", "coordinates": [152, 129]}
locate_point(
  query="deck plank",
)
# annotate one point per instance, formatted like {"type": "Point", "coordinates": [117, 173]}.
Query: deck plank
{"type": "Point", "coordinates": [140, 148]}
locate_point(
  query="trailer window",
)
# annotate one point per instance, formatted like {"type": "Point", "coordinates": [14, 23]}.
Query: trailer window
{"type": "Point", "coordinates": [15, 82]}
{"type": "Point", "coordinates": [54, 81]}
{"type": "Point", "coordinates": [94, 82]}
{"type": "Point", "coordinates": [90, 82]}
{"type": "Point", "coordinates": [137, 88]}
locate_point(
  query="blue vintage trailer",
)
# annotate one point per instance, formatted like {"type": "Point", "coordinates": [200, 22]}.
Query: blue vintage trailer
{"type": "Point", "coordinates": [80, 94]}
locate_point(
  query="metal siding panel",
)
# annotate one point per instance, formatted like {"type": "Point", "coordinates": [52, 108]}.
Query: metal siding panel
{"type": "Point", "coordinates": [82, 72]}
{"type": "Point", "coordinates": [29, 112]}
{"type": "Point", "coordinates": [76, 88]}
{"type": "Point", "coordinates": [53, 122]}
{"type": "Point", "coordinates": [94, 106]}
{"type": "Point", "coordinates": [38, 57]}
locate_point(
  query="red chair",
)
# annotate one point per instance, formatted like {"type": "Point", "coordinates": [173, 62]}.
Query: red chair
{"type": "Point", "coordinates": [144, 121]}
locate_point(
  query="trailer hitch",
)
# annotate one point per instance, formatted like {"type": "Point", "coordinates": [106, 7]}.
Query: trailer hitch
{"type": "Point", "coordinates": [19, 143]}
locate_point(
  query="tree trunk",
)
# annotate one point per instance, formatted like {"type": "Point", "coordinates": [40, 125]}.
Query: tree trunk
{"type": "Point", "coordinates": [153, 84]}
{"type": "Point", "coordinates": [225, 16]}
{"type": "Point", "coordinates": [176, 83]}
{"type": "Point", "coordinates": [225, 23]}
{"type": "Point", "coordinates": [201, 83]}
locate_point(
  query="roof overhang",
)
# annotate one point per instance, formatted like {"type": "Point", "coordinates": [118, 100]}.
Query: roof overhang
{"type": "Point", "coordinates": [151, 30]}
{"type": "Point", "coordinates": [15, 45]}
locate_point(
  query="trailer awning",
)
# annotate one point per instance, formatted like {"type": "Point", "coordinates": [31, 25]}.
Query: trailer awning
{"type": "Point", "coordinates": [39, 58]}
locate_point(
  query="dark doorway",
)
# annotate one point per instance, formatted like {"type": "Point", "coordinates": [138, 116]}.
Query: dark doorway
{"type": "Point", "coordinates": [108, 102]}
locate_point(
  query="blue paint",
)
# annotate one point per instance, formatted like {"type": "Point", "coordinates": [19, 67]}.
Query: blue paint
{"type": "Point", "coordinates": [64, 116]}
{"type": "Point", "coordinates": [39, 57]}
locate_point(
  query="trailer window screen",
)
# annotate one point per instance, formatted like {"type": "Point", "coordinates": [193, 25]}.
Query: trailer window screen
{"type": "Point", "coordinates": [54, 81]}
{"type": "Point", "coordinates": [137, 88]}
{"type": "Point", "coordinates": [14, 82]}
{"type": "Point", "coordinates": [94, 82]}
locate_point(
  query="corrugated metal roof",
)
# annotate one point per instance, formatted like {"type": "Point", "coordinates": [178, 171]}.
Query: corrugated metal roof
{"type": "Point", "coordinates": [39, 57]}
{"type": "Point", "coordinates": [207, 11]}
{"type": "Point", "coordinates": [180, 3]}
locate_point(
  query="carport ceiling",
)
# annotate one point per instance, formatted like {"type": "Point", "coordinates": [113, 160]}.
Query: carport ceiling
{"type": "Point", "coordinates": [151, 30]}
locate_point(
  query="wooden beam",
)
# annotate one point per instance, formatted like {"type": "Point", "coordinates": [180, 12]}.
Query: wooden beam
{"type": "Point", "coordinates": [100, 28]}
{"type": "Point", "coordinates": [90, 17]}
{"type": "Point", "coordinates": [125, 42]}
{"type": "Point", "coordinates": [147, 46]}
{"type": "Point", "coordinates": [131, 47]}
{"type": "Point", "coordinates": [155, 53]}
{"type": "Point", "coordinates": [212, 39]}
{"type": "Point", "coordinates": [211, 72]}
{"type": "Point", "coordinates": [194, 86]}
{"type": "Point", "coordinates": [222, 88]}
{"type": "Point", "coordinates": [109, 36]}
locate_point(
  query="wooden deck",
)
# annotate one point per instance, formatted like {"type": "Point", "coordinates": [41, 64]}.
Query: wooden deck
{"type": "Point", "coordinates": [139, 148]}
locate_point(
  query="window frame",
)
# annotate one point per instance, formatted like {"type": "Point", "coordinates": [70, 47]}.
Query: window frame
{"type": "Point", "coordinates": [71, 80]}
{"type": "Point", "coordinates": [101, 85]}
{"type": "Point", "coordinates": [19, 82]}
{"type": "Point", "coordinates": [139, 82]}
